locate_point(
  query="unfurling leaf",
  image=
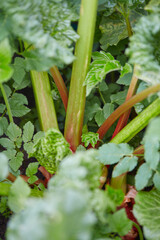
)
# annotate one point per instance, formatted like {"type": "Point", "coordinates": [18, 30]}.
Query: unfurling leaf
{"type": "Point", "coordinates": [50, 150]}
{"type": "Point", "coordinates": [90, 138]}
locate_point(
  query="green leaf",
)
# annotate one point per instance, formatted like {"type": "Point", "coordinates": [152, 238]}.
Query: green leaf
{"type": "Point", "coordinates": [32, 179]}
{"type": "Point", "coordinates": [99, 117]}
{"type": "Point", "coordinates": [10, 153]}
{"type": "Point", "coordinates": [28, 147]}
{"type": "Point", "coordinates": [3, 166]}
{"type": "Point", "coordinates": [7, 143]}
{"type": "Point", "coordinates": [125, 80]}
{"type": "Point", "coordinates": [120, 223]}
{"type": "Point", "coordinates": [19, 192]}
{"type": "Point", "coordinates": [16, 103]}
{"type": "Point", "coordinates": [50, 150]}
{"type": "Point", "coordinates": [32, 169]}
{"type": "Point", "coordinates": [119, 97]}
{"type": "Point", "coordinates": [147, 211]}
{"type": "Point", "coordinates": [127, 164]}
{"type": "Point", "coordinates": [156, 180]}
{"type": "Point", "coordinates": [102, 64]}
{"type": "Point", "coordinates": [19, 71]}
{"type": "Point", "coordinates": [142, 177]}
{"type": "Point", "coordinates": [16, 161]}
{"type": "Point", "coordinates": [151, 142]}
{"type": "Point", "coordinates": [108, 109]}
{"type": "Point", "coordinates": [112, 153]}
{"type": "Point", "coordinates": [3, 125]}
{"type": "Point", "coordinates": [126, 69]}
{"type": "Point", "coordinates": [5, 58]}
{"type": "Point", "coordinates": [28, 130]}
{"type": "Point", "coordinates": [90, 138]}
{"type": "Point", "coordinates": [13, 132]}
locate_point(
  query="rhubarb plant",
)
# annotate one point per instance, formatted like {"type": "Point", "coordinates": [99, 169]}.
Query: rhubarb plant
{"type": "Point", "coordinates": [76, 75]}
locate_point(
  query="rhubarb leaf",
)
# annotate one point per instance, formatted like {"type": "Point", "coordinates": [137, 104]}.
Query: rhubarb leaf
{"type": "Point", "coordinates": [142, 177]}
{"type": "Point", "coordinates": [112, 153]}
{"type": "Point", "coordinates": [48, 30]}
{"type": "Point", "coordinates": [127, 164]}
{"type": "Point", "coordinates": [147, 212]}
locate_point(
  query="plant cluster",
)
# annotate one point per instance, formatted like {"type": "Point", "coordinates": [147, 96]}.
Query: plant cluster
{"type": "Point", "coordinates": [79, 119]}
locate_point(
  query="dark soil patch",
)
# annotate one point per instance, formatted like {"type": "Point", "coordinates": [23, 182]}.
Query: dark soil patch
{"type": "Point", "coordinates": [3, 226]}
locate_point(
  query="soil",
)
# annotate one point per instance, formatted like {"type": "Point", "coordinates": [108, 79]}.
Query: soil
{"type": "Point", "coordinates": [3, 225]}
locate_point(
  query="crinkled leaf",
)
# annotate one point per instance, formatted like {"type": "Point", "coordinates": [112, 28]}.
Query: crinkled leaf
{"type": "Point", "coordinates": [153, 5]}
{"type": "Point", "coordinates": [19, 192]}
{"type": "Point", "coordinates": [13, 132]}
{"type": "Point", "coordinates": [16, 161]}
{"type": "Point", "coordinates": [3, 166]}
{"type": "Point", "coordinates": [51, 149]}
{"type": "Point", "coordinates": [143, 50]}
{"type": "Point", "coordinates": [147, 212]}
{"type": "Point", "coordinates": [49, 30]}
{"type": "Point", "coordinates": [28, 130]}
{"type": "Point", "coordinates": [102, 64]}
{"type": "Point", "coordinates": [5, 58]}
{"type": "Point", "coordinates": [127, 164]}
{"type": "Point", "coordinates": [90, 138]}
{"type": "Point", "coordinates": [113, 28]}
{"type": "Point", "coordinates": [120, 223]}
{"type": "Point", "coordinates": [53, 213]}
{"type": "Point", "coordinates": [112, 153]}
{"type": "Point", "coordinates": [86, 171]}
{"type": "Point", "coordinates": [142, 177]}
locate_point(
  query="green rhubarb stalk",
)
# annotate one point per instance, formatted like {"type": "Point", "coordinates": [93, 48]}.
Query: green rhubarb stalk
{"type": "Point", "coordinates": [44, 102]}
{"type": "Point", "coordinates": [77, 93]}
{"type": "Point", "coordinates": [6, 102]}
{"type": "Point", "coordinates": [138, 123]}
{"type": "Point", "coordinates": [60, 85]}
